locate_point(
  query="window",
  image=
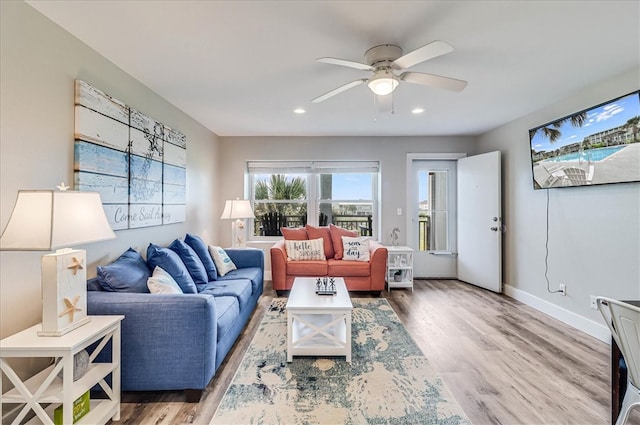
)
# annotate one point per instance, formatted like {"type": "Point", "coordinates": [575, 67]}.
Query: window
{"type": "Point", "coordinates": [293, 194]}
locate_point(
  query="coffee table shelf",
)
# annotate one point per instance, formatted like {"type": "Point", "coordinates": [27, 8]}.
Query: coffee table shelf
{"type": "Point", "coordinates": [318, 325]}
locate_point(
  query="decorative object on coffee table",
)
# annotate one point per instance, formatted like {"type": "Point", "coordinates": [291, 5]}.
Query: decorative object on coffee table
{"type": "Point", "coordinates": [325, 286]}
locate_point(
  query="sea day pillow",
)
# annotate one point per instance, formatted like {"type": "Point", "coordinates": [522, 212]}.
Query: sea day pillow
{"type": "Point", "coordinates": [161, 282]}
{"type": "Point", "coordinates": [355, 249]}
{"type": "Point", "coordinates": [312, 249]}
{"type": "Point", "coordinates": [222, 260]}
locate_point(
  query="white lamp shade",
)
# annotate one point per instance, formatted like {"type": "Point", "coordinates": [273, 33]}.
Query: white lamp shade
{"type": "Point", "coordinates": [237, 209]}
{"type": "Point", "coordinates": [43, 220]}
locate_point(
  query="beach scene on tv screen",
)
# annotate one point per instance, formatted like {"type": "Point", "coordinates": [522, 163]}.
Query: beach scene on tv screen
{"type": "Point", "coordinates": [597, 146]}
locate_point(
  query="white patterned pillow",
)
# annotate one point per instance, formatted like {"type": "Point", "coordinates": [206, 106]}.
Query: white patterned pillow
{"type": "Point", "coordinates": [355, 249]}
{"type": "Point", "coordinates": [312, 249]}
{"type": "Point", "coordinates": [161, 282]}
{"type": "Point", "coordinates": [222, 260]}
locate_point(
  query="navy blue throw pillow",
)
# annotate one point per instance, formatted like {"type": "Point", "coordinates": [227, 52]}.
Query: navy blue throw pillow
{"type": "Point", "coordinates": [170, 262]}
{"type": "Point", "coordinates": [198, 245]}
{"type": "Point", "coordinates": [129, 273]}
{"type": "Point", "coordinates": [191, 260]}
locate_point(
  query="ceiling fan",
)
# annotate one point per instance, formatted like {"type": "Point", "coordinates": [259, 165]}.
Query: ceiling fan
{"type": "Point", "coordinates": [386, 60]}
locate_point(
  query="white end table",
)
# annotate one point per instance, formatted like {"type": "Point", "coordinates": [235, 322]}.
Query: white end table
{"type": "Point", "coordinates": [399, 260]}
{"type": "Point", "coordinates": [47, 388]}
{"type": "Point", "coordinates": [318, 325]}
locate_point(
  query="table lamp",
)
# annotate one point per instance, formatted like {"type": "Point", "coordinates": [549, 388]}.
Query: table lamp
{"type": "Point", "coordinates": [238, 210]}
{"type": "Point", "coordinates": [43, 220]}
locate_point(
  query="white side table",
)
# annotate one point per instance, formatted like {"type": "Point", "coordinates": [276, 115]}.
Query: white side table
{"type": "Point", "coordinates": [47, 388]}
{"type": "Point", "coordinates": [399, 263]}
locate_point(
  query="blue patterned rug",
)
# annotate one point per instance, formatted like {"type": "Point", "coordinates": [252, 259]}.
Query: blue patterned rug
{"type": "Point", "coordinates": [389, 381]}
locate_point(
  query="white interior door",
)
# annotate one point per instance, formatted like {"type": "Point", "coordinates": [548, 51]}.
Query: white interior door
{"type": "Point", "coordinates": [479, 221]}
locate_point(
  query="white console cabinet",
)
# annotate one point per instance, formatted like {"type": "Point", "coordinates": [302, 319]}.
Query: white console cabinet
{"type": "Point", "coordinates": [46, 388]}
{"type": "Point", "coordinates": [399, 267]}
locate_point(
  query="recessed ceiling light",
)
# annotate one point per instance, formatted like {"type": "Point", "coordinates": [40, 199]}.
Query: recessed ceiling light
{"type": "Point", "coordinates": [299, 111]}
{"type": "Point", "coordinates": [417, 110]}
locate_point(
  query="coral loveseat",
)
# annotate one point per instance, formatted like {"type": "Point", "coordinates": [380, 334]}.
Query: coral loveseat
{"type": "Point", "coordinates": [177, 341]}
{"type": "Point", "coordinates": [358, 275]}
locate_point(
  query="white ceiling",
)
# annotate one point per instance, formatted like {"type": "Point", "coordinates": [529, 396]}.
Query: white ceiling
{"type": "Point", "coordinates": [241, 67]}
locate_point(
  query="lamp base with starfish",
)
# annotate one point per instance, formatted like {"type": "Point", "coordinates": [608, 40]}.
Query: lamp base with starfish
{"type": "Point", "coordinates": [64, 292]}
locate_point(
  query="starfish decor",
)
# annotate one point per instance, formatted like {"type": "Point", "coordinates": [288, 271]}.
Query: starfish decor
{"type": "Point", "coordinates": [71, 307]}
{"type": "Point", "coordinates": [76, 265]}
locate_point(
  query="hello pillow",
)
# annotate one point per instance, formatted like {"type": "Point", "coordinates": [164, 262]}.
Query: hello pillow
{"type": "Point", "coordinates": [355, 249]}
{"type": "Point", "coordinates": [312, 249]}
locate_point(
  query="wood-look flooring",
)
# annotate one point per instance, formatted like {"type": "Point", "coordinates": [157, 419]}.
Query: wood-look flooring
{"type": "Point", "coordinates": [504, 362]}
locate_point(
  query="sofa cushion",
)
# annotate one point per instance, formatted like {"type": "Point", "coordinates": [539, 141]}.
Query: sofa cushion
{"type": "Point", "coordinates": [336, 237]}
{"type": "Point", "coordinates": [312, 249]}
{"type": "Point", "coordinates": [191, 261]}
{"type": "Point", "coordinates": [161, 282]}
{"type": "Point", "coordinates": [172, 264]}
{"type": "Point", "coordinates": [198, 245]}
{"type": "Point", "coordinates": [346, 268]}
{"type": "Point", "coordinates": [254, 274]}
{"type": "Point", "coordinates": [324, 233]}
{"type": "Point", "coordinates": [294, 234]}
{"type": "Point", "coordinates": [222, 260]}
{"type": "Point", "coordinates": [227, 312]}
{"type": "Point", "coordinates": [239, 288]}
{"type": "Point", "coordinates": [307, 268]}
{"type": "Point", "coordinates": [355, 249]}
{"type": "Point", "coordinates": [129, 273]}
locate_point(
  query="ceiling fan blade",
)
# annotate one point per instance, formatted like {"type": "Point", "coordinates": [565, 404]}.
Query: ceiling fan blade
{"type": "Point", "coordinates": [432, 80]}
{"type": "Point", "coordinates": [343, 62]}
{"type": "Point", "coordinates": [421, 54]}
{"type": "Point", "coordinates": [338, 90]}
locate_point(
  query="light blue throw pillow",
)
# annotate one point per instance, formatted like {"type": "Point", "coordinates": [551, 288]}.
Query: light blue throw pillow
{"type": "Point", "coordinates": [129, 273]}
{"type": "Point", "coordinates": [191, 260]}
{"type": "Point", "coordinates": [170, 262]}
{"type": "Point", "coordinates": [198, 245]}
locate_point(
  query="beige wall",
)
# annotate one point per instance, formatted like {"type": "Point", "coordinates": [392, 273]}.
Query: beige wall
{"type": "Point", "coordinates": [390, 151]}
{"type": "Point", "coordinates": [39, 63]}
{"type": "Point", "coordinates": [594, 232]}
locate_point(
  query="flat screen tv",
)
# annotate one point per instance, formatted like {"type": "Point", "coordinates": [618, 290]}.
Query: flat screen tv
{"type": "Point", "coordinates": [599, 145]}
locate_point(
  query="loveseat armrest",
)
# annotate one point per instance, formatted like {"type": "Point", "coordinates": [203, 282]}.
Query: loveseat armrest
{"type": "Point", "coordinates": [378, 259]}
{"type": "Point", "coordinates": [155, 331]}
{"type": "Point", "coordinates": [279, 266]}
{"type": "Point", "coordinates": [246, 257]}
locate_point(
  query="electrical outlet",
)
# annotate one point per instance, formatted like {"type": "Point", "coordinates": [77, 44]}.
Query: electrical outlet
{"type": "Point", "coordinates": [594, 303]}
{"type": "Point", "coordinates": [563, 289]}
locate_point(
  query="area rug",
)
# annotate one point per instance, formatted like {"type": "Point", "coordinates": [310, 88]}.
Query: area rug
{"type": "Point", "coordinates": [389, 381]}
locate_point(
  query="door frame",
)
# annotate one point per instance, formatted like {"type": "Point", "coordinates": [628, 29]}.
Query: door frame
{"type": "Point", "coordinates": [411, 157]}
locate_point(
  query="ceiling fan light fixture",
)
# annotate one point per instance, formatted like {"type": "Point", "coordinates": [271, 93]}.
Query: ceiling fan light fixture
{"type": "Point", "coordinates": [383, 83]}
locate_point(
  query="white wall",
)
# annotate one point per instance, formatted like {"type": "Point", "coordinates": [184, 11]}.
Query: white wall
{"type": "Point", "coordinates": [594, 232]}
{"type": "Point", "coordinates": [390, 151]}
{"type": "Point", "coordinates": [39, 63]}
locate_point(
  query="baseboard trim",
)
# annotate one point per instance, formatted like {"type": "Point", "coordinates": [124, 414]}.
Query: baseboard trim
{"type": "Point", "coordinates": [267, 275]}
{"type": "Point", "coordinates": [572, 319]}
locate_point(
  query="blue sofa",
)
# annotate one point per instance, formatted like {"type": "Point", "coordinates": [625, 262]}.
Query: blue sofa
{"type": "Point", "coordinates": [178, 341]}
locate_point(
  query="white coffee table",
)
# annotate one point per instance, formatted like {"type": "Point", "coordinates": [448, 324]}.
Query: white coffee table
{"type": "Point", "coordinates": [318, 325]}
